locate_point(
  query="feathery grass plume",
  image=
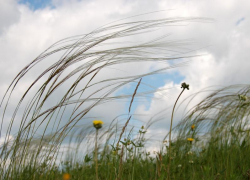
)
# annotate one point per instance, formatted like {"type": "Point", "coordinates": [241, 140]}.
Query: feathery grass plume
{"type": "Point", "coordinates": [131, 102]}
{"type": "Point", "coordinates": [73, 81]}
{"type": "Point", "coordinates": [221, 133]}
{"type": "Point", "coordinates": [123, 129]}
{"type": "Point", "coordinates": [220, 110]}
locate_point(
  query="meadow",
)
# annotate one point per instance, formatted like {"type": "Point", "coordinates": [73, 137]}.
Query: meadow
{"type": "Point", "coordinates": [210, 142]}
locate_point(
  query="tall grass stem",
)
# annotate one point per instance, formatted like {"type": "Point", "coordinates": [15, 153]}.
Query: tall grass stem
{"type": "Point", "coordinates": [96, 158]}
{"type": "Point", "coordinates": [170, 131]}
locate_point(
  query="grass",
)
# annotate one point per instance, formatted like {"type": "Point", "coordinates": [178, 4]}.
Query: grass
{"type": "Point", "coordinates": [210, 142]}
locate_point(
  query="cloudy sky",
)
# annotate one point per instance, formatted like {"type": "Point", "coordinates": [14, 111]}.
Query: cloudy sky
{"type": "Point", "coordinates": [28, 27]}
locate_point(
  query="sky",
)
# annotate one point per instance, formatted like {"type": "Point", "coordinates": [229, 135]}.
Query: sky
{"type": "Point", "coordinates": [221, 47]}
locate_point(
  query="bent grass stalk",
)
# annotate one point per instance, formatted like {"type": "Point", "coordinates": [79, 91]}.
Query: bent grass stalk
{"type": "Point", "coordinates": [184, 86]}
{"type": "Point", "coordinates": [123, 129]}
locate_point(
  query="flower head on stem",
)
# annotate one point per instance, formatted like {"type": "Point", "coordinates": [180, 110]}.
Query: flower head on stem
{"type": "Point", "coordinates": [192, 127]}
{"type": "Point", "coordinates": [190, 140]}
{"type": "Point", "coordinates": [97, 124]}
{"type": "Point", "coordinates": [184, 86]}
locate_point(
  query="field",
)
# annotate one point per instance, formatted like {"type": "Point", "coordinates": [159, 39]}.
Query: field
{"type": "Point", "coordinates": [210, 142]}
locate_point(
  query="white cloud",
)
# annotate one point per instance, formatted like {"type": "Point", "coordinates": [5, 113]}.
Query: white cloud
{"type": "Point", "coordinates": [9, 14]}
{"type": "Point", "coordinates": [24, 34]}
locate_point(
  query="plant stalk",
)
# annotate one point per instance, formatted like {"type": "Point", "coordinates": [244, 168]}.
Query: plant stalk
{"type": "Point", "coordinates": [96, 158]}
{"type": "Point", "coordinates": [169, 149]}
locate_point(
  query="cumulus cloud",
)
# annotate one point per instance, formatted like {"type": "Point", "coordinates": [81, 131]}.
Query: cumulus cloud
{"type": "Point", "coordinates": [9, 14]}
{"type": "Point", "coordinates": [224, 44]}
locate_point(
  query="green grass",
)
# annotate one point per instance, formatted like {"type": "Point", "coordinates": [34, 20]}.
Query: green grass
{"type": "Point", "coordinates": [220, 149]}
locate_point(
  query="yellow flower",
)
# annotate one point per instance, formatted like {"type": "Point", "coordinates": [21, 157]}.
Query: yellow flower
{"type": "Point", "coordinates": [66, 176]}
{"type": "Point", "coordinates": [192, 127]}
{"type": "Point", "coordinates": [97, 124]}
{"type": "Point", "coordinates": [190, 139]}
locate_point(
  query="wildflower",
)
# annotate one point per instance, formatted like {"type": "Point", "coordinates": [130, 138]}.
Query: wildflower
{"type": "Point", "coordinates": [97, 124]}
{"type": "Point", "coordinates": [191, 162]}
{"type": "Point", "coordinates": [179, 166]}
{"type": "Point", "coordinates": [192, 127]}
{"type": "Point", "coordinates": [190, 139]}
{"type": "Point", "coordinates": [66, 176]}
{"type": "Point", "coordinates": [185, 86]}
{"type": "Point", "coordinates": [189, 153]}
{"type": "Point", "coordinates": [165, 141]}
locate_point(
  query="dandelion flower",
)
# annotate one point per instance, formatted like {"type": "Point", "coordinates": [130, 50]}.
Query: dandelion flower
{"type": "Point", "coordinates": [190, 139]}
{"type": "Point", "coordinates": [66, 176]}
{"type": "Point", "coordinates": [192, 127]}
{"type": "Point", "coordinates": [97, 124]}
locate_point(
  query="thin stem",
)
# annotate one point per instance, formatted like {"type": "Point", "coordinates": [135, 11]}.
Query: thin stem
{"type": "Point", "coordinates": [171, 131]}
{"type": "Point", "coordinates": [96, 159]}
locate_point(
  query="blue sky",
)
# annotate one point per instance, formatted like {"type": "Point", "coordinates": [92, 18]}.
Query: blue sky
{"type": "Point", "coordinates": [36, 4]}
{"type": "Point", "coordinates": [155, 81]}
